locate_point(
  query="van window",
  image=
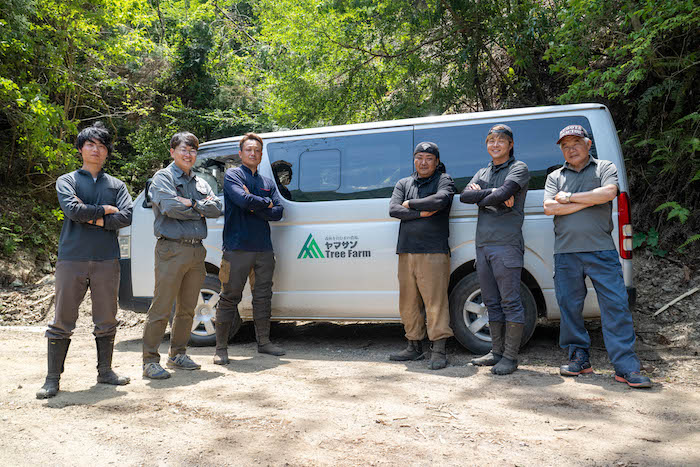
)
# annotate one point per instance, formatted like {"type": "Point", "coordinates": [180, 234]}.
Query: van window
{"type": "Point", "coordinates": [357, 166]}
{"type": "Point", "coordinates": [463, 147]}
{"type": "Point", "coordinates": [212, 164]}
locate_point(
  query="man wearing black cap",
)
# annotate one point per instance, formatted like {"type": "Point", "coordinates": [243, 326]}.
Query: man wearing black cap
{"type": "Point", "coordinates": [422, 202]}
{"type": "Point", "coordinates": [579, 196]}
{"type": "Point", "coordinates": [500, 190]}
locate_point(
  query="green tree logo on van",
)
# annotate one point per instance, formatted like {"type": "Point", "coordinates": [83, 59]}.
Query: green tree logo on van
{"type": "Point", "coordinates": [310, 249]}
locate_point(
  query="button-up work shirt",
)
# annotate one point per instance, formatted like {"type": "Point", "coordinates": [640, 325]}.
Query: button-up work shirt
{"type": "Point", "coordinates": [246, 224]}
{"type": "Point", "coordinates": [81, 199]}
{"type": "Point", "coordinates": [173, 219]}
{"type": "Point", "coordinates": [588, 229]}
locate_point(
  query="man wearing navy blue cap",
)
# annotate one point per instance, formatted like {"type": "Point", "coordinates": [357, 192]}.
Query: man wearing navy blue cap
{"type": "Point", "coordinates": [500, 190]}
{"type": "Point", "coordinates": [579, 196]}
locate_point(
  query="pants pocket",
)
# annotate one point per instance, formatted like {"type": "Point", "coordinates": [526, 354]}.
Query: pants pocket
{"type": "Point", "coordinates": [224, 271]}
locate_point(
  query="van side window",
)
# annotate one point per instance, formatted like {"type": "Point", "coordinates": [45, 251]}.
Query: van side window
{"type": "Point", "coordinates": [212, 164]}
{"type": "Point", "coordinates": [357, 166]}
{"type": "Point", "coordinates": [463, 147]}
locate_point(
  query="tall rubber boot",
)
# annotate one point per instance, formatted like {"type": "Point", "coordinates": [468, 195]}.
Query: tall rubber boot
{"type": "Point", "coordinates": [438, 355]}
{"type": "Point", "coordinates": [262, 335]}
{"type": "Point", "coordinates": [56, 356]}
{"type": "Point", "coordinates": [497, 329]}
{"type": "Point", "coordinates": [105, 374]}
{"type": "Point", "coordinates": [414, 351]}
{"type": "Point", "coordinates": [509, 362]}
{"type": "Point", "coordinates": [222, 332]}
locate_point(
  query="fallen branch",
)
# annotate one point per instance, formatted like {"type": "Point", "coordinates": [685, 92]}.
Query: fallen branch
{"type": "Point", "coordinates": [43, 299]}
{"type": "Point", "coordinates": [676, 300]}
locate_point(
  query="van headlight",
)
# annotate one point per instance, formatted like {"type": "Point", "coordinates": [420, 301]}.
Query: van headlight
{"type": "Point", "coordinates": [125, 247]}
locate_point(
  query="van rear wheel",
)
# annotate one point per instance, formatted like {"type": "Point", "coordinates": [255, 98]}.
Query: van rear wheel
{"type": "Point", "coordinates": [204, 322]}
{"type": "Point", "coordinates": [470, 320]}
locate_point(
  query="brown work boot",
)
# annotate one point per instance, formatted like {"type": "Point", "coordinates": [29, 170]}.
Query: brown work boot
{"type": "Point", "coordinates": [414, 351]}
{"type": "Point", "coordinates": [262, 335]}
{"type": "Point", "coordinates": [105, 374]}
{"type": "Point", "coordinates": [497, 329]}
{"type": "Point", "coordinates": [438, 355]}
{"type": "Point", "coordinates": [56, 356]}
{"type": "Point", "coordinates": [223, 329]}
{"type": "Point", "coordinates": [509, 363]}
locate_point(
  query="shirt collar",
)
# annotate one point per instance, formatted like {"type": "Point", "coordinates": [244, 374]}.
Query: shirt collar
{"type": "Point", "coordinates": [498, 167]}
{"type": "Point", "coordinates": [85, 172]}
{"type": "Point", "coordinates": [591, 160]}
{"type": "Point", "coordinates": [425, 180]}
{"type": "Point", "coordinates": [250, 172]}
{"type": "Point", "coordinates": [177, 171]}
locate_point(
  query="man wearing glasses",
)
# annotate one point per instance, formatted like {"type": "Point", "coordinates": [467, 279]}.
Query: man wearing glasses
{"type": "Point", "coordinates": [181, 202]}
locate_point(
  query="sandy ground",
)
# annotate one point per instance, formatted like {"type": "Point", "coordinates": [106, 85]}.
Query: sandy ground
{"type": "Point", "coordinates": [335, 399]}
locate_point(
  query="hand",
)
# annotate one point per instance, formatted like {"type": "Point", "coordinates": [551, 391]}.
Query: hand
{"type": "Point", "coordinates": [79, 200]}
{"type": "Point", "coordinates": [405, 204]}
{"type": "Point", "coordinates": [99, 222]}
{"type": "Point", "coordinates": [562, 197]}
{"type": "Point", "coordinates": [270, 206]}
{"type": "Point", "coordinates": [187, 202]}
{"type": "Point", "coordinates": [473, 186]}
{"type": "Point", "coordinates": [427, 213]}
{"type": "Point", "coordinates": [245, 188]}
{"type": "Point", "coordinates": [509, 202]}
{"type": "Point", "coordinates": [109, 209]}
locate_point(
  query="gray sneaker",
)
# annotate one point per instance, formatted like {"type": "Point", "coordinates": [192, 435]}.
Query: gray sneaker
{"type": "Point", "coordinates": [154, 371]}
{"type": "Point", "coordinates": [182, 362]}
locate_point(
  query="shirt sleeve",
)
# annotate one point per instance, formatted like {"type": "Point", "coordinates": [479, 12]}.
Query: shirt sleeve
{"type": "Point", "coordinates": [233, 187]}
{"type": "Point", "coordinates": [519, 174]}
{"type": "Point", "coordinates": [275, 212]}
{"type": "Point", "coordinates": [551, 186]}
{"type": "Point", "coordinates": [209, 207]}
{"type": "Point", "coordinates": [440, 200]}
{"type": "Point", "coordinates": [164, 195]}
{"type": "Point", "coordinates": [73, 208]}
{"type": "Point", "coordinates": [122, 218]}
{"type": "Point", "coordinates": [608, 174]}
{"type": "Point", "coordinates": [500, 194]}
{"type": "Point", "coordinates": [395, 204]}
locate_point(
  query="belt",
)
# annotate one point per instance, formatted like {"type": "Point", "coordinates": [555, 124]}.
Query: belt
{"type": "Point", "coordinates": [189, 241]}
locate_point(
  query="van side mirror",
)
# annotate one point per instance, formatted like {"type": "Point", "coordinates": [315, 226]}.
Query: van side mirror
{"type": "Point", "coordinates": [146, 196]}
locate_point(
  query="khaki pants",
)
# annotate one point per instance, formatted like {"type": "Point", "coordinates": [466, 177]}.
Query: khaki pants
{"type": "Point", "coordinates": [72, 281]}
{"type": "Point", "coordinates": [423, 280]}
{"type": "Point", "coordinates": [180, 272]}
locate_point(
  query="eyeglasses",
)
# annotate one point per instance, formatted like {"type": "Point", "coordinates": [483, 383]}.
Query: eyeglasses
{"type": "Point", "coordinates": [191, 152]}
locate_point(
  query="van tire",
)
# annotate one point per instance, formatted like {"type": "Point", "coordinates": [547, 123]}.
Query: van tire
{"type": "Point", "coordinates": [477, 339]}
{"type": "Point", "coordinates": [204, 324]}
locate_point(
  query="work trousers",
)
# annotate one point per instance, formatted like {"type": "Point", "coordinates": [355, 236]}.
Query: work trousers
{"type": "Point", "coordinates": [423, 281]}
{"type": "Point", "coordinates": [179, 273]}
{"type": "Point", "coordinates": [235, 268]}
{"type": "Point", "coordinates": [605, 271]}
{"type": "Point", "coordinates": [73, 278]}
{"type": "Point", "coordinates": [499, 268]}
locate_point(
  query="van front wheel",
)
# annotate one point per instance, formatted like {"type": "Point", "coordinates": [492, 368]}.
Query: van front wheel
{"type": "Point", "coordinates": [469, 318]}
{"type": "Point", "coordinates": [204, 322]}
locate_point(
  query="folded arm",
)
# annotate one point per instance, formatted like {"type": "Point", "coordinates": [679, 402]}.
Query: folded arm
{"type": "Point", "coordinates": [164, 195]}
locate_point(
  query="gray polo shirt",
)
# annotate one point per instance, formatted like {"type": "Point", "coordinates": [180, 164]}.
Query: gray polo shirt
{"type": "Point", "coordinates": [173, 219]}
{"type": "Point", "coordinates": [500, 225]}
{"type": "Point", "coordinates": [588, 229]}
{"type": "Point", "coordinates": [81, 199]}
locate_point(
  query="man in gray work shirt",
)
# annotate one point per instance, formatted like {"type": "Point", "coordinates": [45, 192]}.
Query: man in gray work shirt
{"type": "Point", "coordinates": [500, 190]}
{"type": "Point", "coordinates": [96, 206]}
{"type": "Point", "coordinates": [181, 202]}
{"type": "Point", "coordinates": [579, 196]}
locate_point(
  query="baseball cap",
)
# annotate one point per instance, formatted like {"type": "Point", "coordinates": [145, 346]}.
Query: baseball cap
{"type": "Point", "coordinates": [427, 146]}
{"type": "Point", "coordinates": [501, 129]}
{"type": "Point", "coordinates": [572, 130]}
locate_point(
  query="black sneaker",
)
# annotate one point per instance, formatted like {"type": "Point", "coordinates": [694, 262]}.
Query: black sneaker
{"type": "Point", "coordinates": [578, 364]}
{"type": "Point", "coordinates": [633, 379]}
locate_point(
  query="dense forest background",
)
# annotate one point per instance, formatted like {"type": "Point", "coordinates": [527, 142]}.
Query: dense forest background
{"type": "Point", "coordinates": [148, 68]}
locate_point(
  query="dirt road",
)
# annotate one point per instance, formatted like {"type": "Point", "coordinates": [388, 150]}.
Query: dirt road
{"type": "Point", "coordinates": [335, 399]}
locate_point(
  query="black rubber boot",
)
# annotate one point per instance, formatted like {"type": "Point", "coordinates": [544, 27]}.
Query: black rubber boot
{"type": "Point", "coordinates": [414, 351]}
{"type": "Point", "coordinates": [262, 335]}
{"type": "Point", "coordinates": [57, 350]}
{"type": "Point", "coordinates": [438, 355]}
{"type": "Point", "coordinates": [497, 329]}
{"type": "Point", "coordinates": [105, 374]}
{"type": "Point", "coordinates": [222, 332]}
{"type": "Point", "coordinates": [511, 348]}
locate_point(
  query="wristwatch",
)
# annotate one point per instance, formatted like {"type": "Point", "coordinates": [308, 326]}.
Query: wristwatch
{"type": "Point", "coordinates": [568, 197]}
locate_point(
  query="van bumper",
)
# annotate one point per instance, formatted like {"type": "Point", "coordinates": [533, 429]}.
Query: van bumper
{"type": "Point", "coordinates": [127, 300]}
{"type": "Point", "coordinates": [632, 296]}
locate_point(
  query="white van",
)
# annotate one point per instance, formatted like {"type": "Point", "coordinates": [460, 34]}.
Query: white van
{"type": "Point", "coordinates": [335, 245]}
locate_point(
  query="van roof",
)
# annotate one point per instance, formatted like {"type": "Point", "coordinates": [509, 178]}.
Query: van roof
{"type": "Point", "coordinates": [489, 115]}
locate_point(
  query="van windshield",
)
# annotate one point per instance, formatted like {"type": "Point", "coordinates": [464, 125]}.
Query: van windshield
{"type": "Point", "coordinates": [212, 164]}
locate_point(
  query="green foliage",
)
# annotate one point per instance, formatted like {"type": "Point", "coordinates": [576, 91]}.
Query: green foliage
{"type": "Point", "coordinates": [676, 211]}
{"type": "Point", "coordinates": [651, 239]}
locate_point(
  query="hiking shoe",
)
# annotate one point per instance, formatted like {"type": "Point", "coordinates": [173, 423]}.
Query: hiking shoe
{"type": "Point", "coordinates": [633, 379]}
{"type": "Point", "coordinates": [154, 371]}
{"type": "Point", "coordinates": [578, 364]}
{"type": "Point", "coordinates": [182, 362]}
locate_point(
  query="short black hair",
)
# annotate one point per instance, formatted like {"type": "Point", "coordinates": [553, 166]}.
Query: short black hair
{"type": "Point", "coordinates": [96, 132]}
{"type": "Point", "coordinates": [184, 137]}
